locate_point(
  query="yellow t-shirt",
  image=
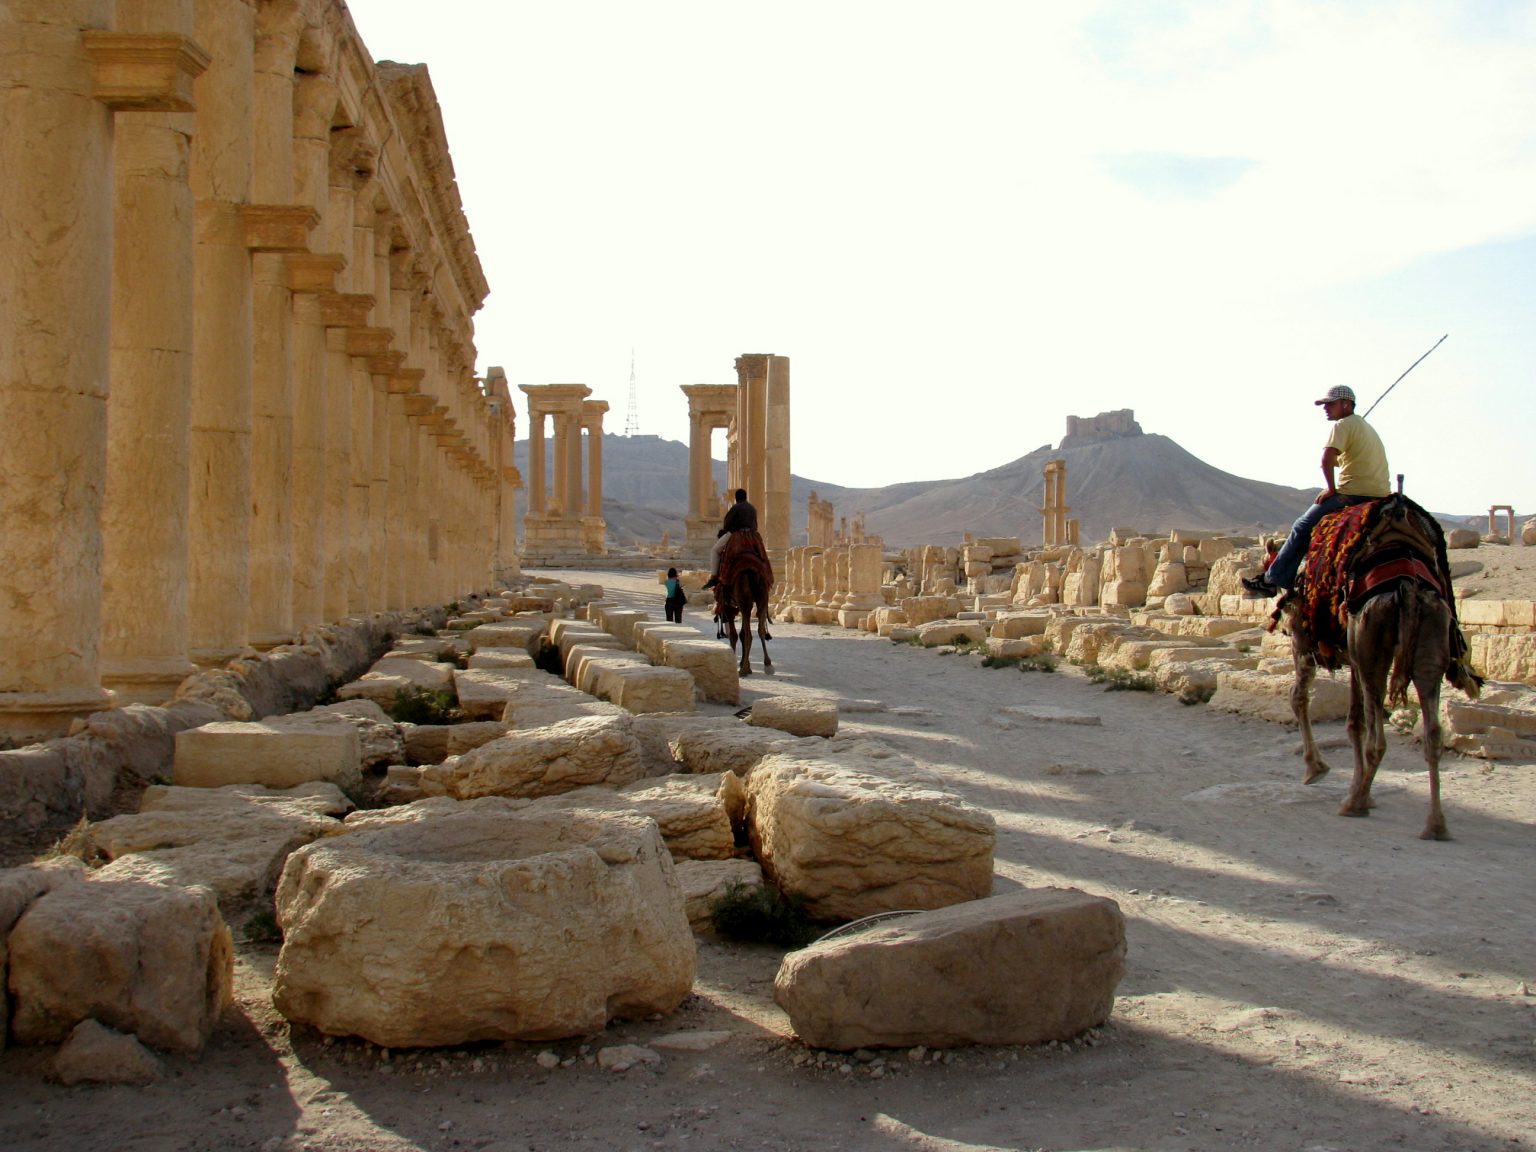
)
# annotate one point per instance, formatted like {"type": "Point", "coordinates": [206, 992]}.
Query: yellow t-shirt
{"type": "Point", "coordinates": [1362, 467]}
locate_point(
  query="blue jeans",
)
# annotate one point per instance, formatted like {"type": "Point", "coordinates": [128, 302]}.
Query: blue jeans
{"type": "Point", "coordinates": [1282, 569]}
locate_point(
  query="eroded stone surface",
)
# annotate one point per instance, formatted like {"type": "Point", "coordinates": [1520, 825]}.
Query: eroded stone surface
{"type": "Point", "coordinates": [1021, 968]}
{"type": "Point", "coordinates": [797, 715]}
{"type": "Point", "coordinates": [483, 926]}
{"type": "Point", "coordinates": [546, 761]}
{"type": "Point", "coordinates": [267, 753]}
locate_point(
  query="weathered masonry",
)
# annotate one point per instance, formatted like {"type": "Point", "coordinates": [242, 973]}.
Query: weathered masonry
{"type": "Point", "coordinates": [237, 379]}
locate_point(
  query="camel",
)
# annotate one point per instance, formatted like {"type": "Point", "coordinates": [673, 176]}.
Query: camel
{"type": "Point", "coordinates": [1391, 582]}
{"type": "Point", "coordinates": [746, 589]}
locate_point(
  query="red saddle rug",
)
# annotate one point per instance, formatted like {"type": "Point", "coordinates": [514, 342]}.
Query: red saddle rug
{"type": "Point", "coordinates": [744, 551]}
{"type": "Point", "coordinates": [1359, 552]}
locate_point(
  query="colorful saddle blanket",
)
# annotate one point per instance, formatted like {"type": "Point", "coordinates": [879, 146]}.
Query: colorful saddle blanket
{"type": "Point", "coordinates": [1362, 551]}
{"type": "Point", "coordinates": [744, 551]}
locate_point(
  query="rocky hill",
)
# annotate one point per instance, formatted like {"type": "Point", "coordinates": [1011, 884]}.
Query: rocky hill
{"type": "Point", "coordinates": [1117, 476]}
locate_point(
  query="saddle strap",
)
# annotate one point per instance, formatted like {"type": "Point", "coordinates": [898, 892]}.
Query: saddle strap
{"type": "Point", "coordinates": [1366, 583]}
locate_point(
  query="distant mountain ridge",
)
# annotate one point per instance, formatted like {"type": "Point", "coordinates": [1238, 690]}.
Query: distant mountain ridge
{"type": "Point", "coordinates": [1117, 477]}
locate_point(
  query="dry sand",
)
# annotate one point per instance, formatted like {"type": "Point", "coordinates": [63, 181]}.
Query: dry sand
{"type": "Point", "coordinates": [1295, 980]}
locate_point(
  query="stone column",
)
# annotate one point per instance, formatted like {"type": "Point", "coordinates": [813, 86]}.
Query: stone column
{"type": "Point", "coordinates": [776, 474]}
{"type": "Point", "coordinates": [698, 462]}
{"type": "Point", "coordinates": [751, 423]}
{"type": "Point", "coordinates": [218, 592]}
{"type": "Point", "coordinates": [144, 516]}
{"type": "Point", "coordinates": [536, 465]}
{"type": "Point", "coordinates": [55, 309]}
{"type": "Point", "coordinates": [594, 529]}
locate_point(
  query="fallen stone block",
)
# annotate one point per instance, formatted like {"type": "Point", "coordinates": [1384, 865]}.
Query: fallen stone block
{"type": "Point", "coordinates": [1023, 648]}
{"type": "Point", "coordinates": [501, 658]}
{"type": "Point", "coordinates": [852, 843]}
{"type": "Point", "coordinates": [262, 752]}
{"type": "Point", "coordinates": [642, 688]}
{"type": "Point", "coordinates": [651, 637]}
{"type": "Point", "coordinates": [378, 737]}
{"type": "Point", "coordinates": [620, 623]}
{"type": "Point", "coordinates": [233, 839]}
{"type": "Point", "coordinates": [587, 661]}
{"type": "Point", "coordinates": [546, 761]}
{"type": "Point", "coordinates": [19, 888]}
{"type": "Point", "coordinates": [689, 811]}
{"type": "Point", "coordinates": [483, 926]}
{"type": "Point", "coordinates": [1017, 625]}
{"type": "Point", "coordinates": [1022, 968]}
{"type": "Point", "coordinates": [148, 959]}
{"type": "Point", "coordinates": [704, 882]}
{"type": "Point", "coordinates": [712, 665]}
{"type": "Point", "coordinates": [540, 703]}
{"type": "Point", "coordinates": [524, 634]}
{"type": "Point", "coordinates": [392, 676]}
{"type": "Point", "coordinates": [484, 692]}
{"type": "Point", "coordinates": [797, 715]}
{"type": "Point", "coordinates": [95, 1054]}
{"type": "Point", "coordinates": [1267, 695]}
{"type": "Point", "coordinates": [727, 746]}
{"type": "Point", "coordinates": [952, 632]}
{"type": "Point", "coordinates": [920, 610]}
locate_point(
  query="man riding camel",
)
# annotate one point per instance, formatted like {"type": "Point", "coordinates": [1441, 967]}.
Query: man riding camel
{"type": "Point", "coordinates": [1355, 452]}
{"type": "Point", "coordinates": [739, 517]}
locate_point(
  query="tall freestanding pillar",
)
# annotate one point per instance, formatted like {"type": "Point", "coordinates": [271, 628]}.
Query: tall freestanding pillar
{"type": "Point", "coordinates": [144, 515]}
{"type": "Point", "coordinates": [55, 304]}
{"type": "Point", "coordinates": [552, 528]}
{"type": "Point", "coordinates": [594, 529]}
{"type": "Point", "coordinates": [710, 406]}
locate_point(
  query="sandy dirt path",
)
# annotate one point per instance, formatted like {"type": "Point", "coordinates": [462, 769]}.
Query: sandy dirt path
{"type": "Point", "coordinates": [1295, 980]}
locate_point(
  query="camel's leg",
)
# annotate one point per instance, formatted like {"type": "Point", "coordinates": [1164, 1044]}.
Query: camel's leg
{"type": "Point", "coordinates": [745, 668]}
{"type": "Point", "coordinates": [1301, 692]}
{"type": "Point", "coordinates": [1429, 669]}
{"type": "Point", "coordinates": [762, 635]}
{"type": "Point", "coordinates": [1357, 802]}
{"type": "Point", "coordinates": [1373, 638]}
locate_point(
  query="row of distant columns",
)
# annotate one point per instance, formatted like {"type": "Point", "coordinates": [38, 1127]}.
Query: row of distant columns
{"type": "Point", "coordinates": [291, 432]}
{"type": "Point", "coordinates": [564, 523]}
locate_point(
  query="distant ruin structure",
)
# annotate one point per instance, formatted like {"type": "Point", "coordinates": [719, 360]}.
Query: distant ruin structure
{"type": "Point", "coordinates": [755, 414]}
{"type": "Point", "coordinates": [236, 354]}
{"type": "Point", "coordinates": [1096, 429]}
{"type": "Point", "coordinates": [818, 522]}
{"type": "Point", "coordinates": [1059, 529]}
{"type": "Point", "coordinates": [567, 522]}
{"type": "Point", "coordinates": [1493, 521]}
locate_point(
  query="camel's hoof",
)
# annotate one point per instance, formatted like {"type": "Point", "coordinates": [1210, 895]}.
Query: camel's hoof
{"type": "Point", "coordinates": [744, 672]}
{"type": "Point", "coordinates": [1354, 810]}
{"type": "Point", "coordinates": [1439, 833]}
{"type": "Point", "coordinates": [1315, 773]}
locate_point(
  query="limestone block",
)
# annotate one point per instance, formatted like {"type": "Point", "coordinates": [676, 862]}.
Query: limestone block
{"type": "Point", "coordinates": [884, 619]}
{"type": "Point", "coordinates": [1199, 674]}
{"type": "Point", "coordinates": [1013, 625]}
{"type": "Point", "coordinates": [547, 761]}
{"type": "Point", "coordinates": [797, 715]}
{"type": "Point", "coordinates": [727, 747]}
{"type": "Point", "coordinates": [1095, 639]}
{"type": "Point", "coordinates": [1022, 968]}
{"type": "Point", "coordinates": [1497, 613]}
{"type": "Point", "coordinates": [522, 634]}
{"type": "Point", "coordinates": [484, 692]}
{"type": "Point", "coordinates": [588, 641]}
{"type": "Point", "coordinates": [703, 883]}
{"type": "Point", "coordinates": [586, 664]}
{"type": "Point", "coordinates": [1169, 577]}
{"type": "Point", "coordinates": [652, 636]}
{"type": "Point", "coordinates": [259, 752]}
{"type": "Point", "coordinates": [1466, 718]}
{"type": "Point", "coordinates": [1463, 538]}
{"type": "Point", "coordinates": [851, 843]}
{"type": "Point", "coordinates": [233, 839]}
{"type": "Point", "coordinates": [999, 545]}
{"type": "Point", "coordinates": [149, 959]}
{"type": "Point", "coordinates": [392, 675]}
{"type": "Point", "coordinates": [712, 665]}
{"type": "Point", "coordinates": [430, 648]}
{"type": "Point", "coordinates": [19, 887]}
{"type": "Point", "coordinates": [1123, 593]}
{"type": "Point", "coordinates": [1267, 695]}
{"type": "Point", "coordinates": [1025, 647]}
{"type": "Point", "coordinates": [976, 569]}
{"type": "Point", "coordinates": [1528, 533]}
{"type": "Point", "coordinates": [949, 631]}
{"type": "Point", "coordinates": [540, 703]}
{"type": "Point", "coordinates": [501, 658]}
{"type": "Point", "coordinates": [637, 688]}
{"type": "Point", "coordinates": [425, 743]}
{"type": "Point", "coordinates": [476, 616]}
{"type": "Point", "coordinates": [901, 634]}
{"type": "Point", "coordinates": [620, 623]}
{"type": "Point", "coordinates": [921, 610]}
{"type": "Point", "coordinates": [526, 603]}
{"type": "Point", "coordinates": [1504, 656]}
{"type": "Point", "coordinates": [378, 737]}
{"type": "Point", "coordinates": [95, 1054]}
{"type": "Point", "coordinates": [689, 810]}
{"type": "Point", "coordinates": [1213, 548]}
{"type": "Point", "coordinates": [483, 926]}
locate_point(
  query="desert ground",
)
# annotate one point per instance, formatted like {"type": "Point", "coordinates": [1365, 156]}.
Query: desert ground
{"type": "Point", "coordinates": [1294, 980]}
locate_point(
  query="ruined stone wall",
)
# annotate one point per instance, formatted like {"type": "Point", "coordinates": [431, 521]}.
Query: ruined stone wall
{"type": "Point", "coordinates": [236, 356]}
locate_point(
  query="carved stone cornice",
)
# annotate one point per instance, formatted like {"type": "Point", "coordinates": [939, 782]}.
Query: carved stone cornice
{"type": "Point", "coordinates": [386, 364]}
{"type": "Point", "coordinates": [368, 342]}
{"type": "Point", "coordinates": [345, 309]}
{"type": "Point", "coordinates": [135, 72]}
{"type": "Point", "coordinates": [313, 271]}
{"type": "Point", "coordinates": [407, 381]}
{"type": "Point", "coordinates": [420, 406]}
{"type": "Point", "coordinates": [277, 227]}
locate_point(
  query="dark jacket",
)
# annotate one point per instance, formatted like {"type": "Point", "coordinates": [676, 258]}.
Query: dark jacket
{"type": "Point", "coordinates": [739, 516]}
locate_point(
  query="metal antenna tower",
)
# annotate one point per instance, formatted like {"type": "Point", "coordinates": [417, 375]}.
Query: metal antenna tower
{"type": "Point", "coordinates": [632, 420]}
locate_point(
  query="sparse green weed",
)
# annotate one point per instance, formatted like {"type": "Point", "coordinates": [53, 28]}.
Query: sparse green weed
{"type": "Point", "coordinates": [761, 914]}
{"type": "Point", "coordinates": [423, 706]}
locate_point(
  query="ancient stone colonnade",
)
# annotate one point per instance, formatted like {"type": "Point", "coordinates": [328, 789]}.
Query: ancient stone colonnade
{"type": "Point", "coordinates": [562, 525]}
{"type": "Point", "coordinates": [236, 361]}
{"type": "Point", "coordinates": [755, 414]}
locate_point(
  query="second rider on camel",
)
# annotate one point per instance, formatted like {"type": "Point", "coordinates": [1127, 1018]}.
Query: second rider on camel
{"type": "Point", "coordinates": [739, 517]}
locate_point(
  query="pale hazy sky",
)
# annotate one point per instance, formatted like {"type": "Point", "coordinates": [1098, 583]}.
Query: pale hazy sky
{"type": "Point", "coordinates": [965, 221]}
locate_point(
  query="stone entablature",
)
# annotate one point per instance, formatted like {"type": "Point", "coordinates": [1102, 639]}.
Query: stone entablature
{"type": "Point", "coordinates": [286, 428]}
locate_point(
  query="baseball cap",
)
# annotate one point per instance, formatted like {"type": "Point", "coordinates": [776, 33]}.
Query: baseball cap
{"type": "Point", "coordinates": [1338, 392]}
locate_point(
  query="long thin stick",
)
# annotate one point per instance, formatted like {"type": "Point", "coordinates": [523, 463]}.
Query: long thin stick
{"type": "Point", "coordinates": [1399, 380]}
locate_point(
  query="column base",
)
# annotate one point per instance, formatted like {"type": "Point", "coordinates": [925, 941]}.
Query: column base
{"type": "Point", "coordinates": [271, 640]}
{"type": "Point", "coordinates": [31, 717]}
{"type": "Point", "coordinates": [145, 682]}
{"type": "Point", "coordinates": [211, 659]}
